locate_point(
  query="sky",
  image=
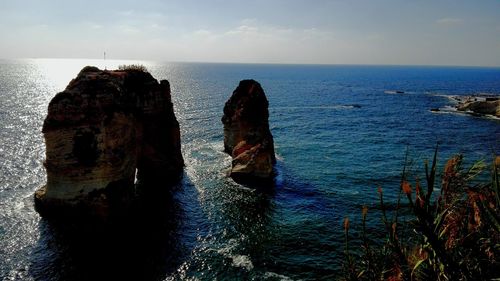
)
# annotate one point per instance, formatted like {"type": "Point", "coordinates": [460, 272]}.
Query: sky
{"type": "Point", "coordinates": [400, 32]}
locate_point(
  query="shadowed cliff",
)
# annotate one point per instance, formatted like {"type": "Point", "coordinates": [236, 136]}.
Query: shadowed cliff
{"type": "Point", "coordinates": [247, 137]}
{"type": "Point", "coordinates": [106, 130]}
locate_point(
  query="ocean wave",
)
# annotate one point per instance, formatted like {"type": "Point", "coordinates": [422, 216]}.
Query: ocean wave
{"type": "Point", "coordinates": [394, 92]}
{"type": "Point", "coordinates": [445, 110]}
{"type": "Point", "coordinates": [337, 106]}
{"type": "Point", "coordinates": [242, 261]}
{"type": "Point", "coordinates": [276, 276]}
{"type": "Point", "coordinates": [453, 110]}
{"type": "Point", "coordinates": [278, 178]}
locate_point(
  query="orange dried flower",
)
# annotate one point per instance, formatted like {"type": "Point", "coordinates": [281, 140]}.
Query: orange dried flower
{"type": "Point", "coordinates": [364, 211]}
{"type": "Point", "coordinates": [396, 274]}
{"type": "Point", "coordinates": [477, 214]}
{"type": "Point", "coordinates": [406, 187]}
{"type": "Point", "coordinates": [417, 187]}
{"type": "Point", "coordinates": [346, 223]}
{"type": "Point", "coordinates": [451, 165]}
{"type": "Point", "coordinates": [394, 229]}
{"type": "Point", "coordinates": [418, 192]}
{"type": "Point", "coordinates": [450, 173]}
{"type": "Point", "coordinates": [379, 190]}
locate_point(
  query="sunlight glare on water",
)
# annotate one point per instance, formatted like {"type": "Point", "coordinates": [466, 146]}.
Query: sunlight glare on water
{"type": "Point", "coordinates": [59, 72]}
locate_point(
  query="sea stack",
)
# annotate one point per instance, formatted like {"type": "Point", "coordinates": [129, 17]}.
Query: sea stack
{"type": "Point", "coordinates": [247, 137]}
{"type": "Point", "coordinates": [106, 130]}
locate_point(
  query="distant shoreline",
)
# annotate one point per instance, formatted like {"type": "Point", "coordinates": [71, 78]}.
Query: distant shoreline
{"type": "Point", "coordinates": [481, 105]}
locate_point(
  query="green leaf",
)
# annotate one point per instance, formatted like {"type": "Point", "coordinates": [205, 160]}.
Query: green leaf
{"type": "Point", "coordinates": [491, 216]}
{"type": "Point", "coordinates": [431, 177]}
{"type": "Point", "coordinates": [442, 232]}
{"type": "Point", "coordinates": [475, 169]}
{"type": "Point", "coordinates": [496, 182]}
{"type": "Point", "coordinates": [416, 266]}
{"type": "Point", "coordinates": [439, 218]}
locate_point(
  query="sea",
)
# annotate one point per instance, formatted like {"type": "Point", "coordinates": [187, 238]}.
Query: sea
{"type": "Point", "coordinates": [340, 132]}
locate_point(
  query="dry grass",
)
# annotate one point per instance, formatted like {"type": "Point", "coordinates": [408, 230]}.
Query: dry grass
{"type": "Point", "coordinates": [457, 230]}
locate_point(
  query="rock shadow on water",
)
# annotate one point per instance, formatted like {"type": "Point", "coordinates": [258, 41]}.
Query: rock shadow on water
{"type": "Point", "coordinates": [264, 186]}
{"type": "Point", "coordinates": [247, 234]}
{"type": "Point", "coordinates": [143, 245]}
{"type": "Point", "coordinates": [304, 236]}
{"type": "Point", "coordinates": [285, 230]}
{"type": "Point", "coordinates": [248, 204]}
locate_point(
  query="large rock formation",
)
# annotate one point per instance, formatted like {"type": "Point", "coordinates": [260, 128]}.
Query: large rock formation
{"type": "Point", "coordinates": [247, 137]}
{"type": "Point", "coordinates": [106, 129]}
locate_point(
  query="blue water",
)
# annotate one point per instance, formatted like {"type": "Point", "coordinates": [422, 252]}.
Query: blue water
{"type": "Point", "coordinates": [340, 131]}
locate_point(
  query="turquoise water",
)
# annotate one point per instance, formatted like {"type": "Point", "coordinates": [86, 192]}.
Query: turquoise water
{"type": "Point", "coordinates": [340, 131]}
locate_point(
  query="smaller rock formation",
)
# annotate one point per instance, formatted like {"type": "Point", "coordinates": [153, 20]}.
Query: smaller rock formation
{"type": "Point", "coordinates": [247, 137]}
{"type": "Point", "coordinates": [104, 131]}
{"type": "Point", "coordinates": [481, 106]}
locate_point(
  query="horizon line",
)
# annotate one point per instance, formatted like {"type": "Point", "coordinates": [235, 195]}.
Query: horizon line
{"type": "Point", "coordinates": [258, 63]}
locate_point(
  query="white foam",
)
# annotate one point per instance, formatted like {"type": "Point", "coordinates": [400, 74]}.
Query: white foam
{"type": "Point", "coordinates": [394, 92]}
{"type": "Point", "coordinates": [279, 172]}
{"type": "Point", "coordinates": [242, 261]}
{"type": "Point", "coordinates": [337, 106]}
{"type": "Point", "coordinates": [276, 276]}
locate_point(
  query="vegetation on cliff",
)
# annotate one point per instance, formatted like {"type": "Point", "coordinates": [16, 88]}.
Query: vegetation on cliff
{"type": "Point", "coordinates": [138, 67]}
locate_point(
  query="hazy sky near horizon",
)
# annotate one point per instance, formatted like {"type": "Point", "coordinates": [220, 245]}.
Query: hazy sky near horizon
{"type": "Point", "coordinates": [421, 32]}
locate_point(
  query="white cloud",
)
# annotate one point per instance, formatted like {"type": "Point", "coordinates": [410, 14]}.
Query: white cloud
{"type": "Point", "coordinates": [129, 29]}
{"type": "Point", "coordinates": [252, 41]}
{"type": "Point", "coordinates": [91, 25]}
{"type": "Point", "coordinates": [158, 26]}
{"type": "Point", "coordinates": [125, 13]}
{"type": "Point", "coordinates": [449, 21]}
{"type": "Point", "coordinates": [203, 32]}
{"type": "Point", "coordinates": [243, 29]}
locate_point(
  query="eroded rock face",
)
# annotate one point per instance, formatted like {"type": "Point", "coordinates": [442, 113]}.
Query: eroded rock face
{"type": "Point", "coordinates": [105, 127]}
{"type": "Point", "coordinates": [247, 137]}
{"type": "Point", "coordinates": [481, 107]}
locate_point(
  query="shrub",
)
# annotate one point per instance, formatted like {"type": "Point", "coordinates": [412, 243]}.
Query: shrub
{"type": "Point", "coordinates": [457, 229]}
{"type": "Point", "coordinates": [136, 67]}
